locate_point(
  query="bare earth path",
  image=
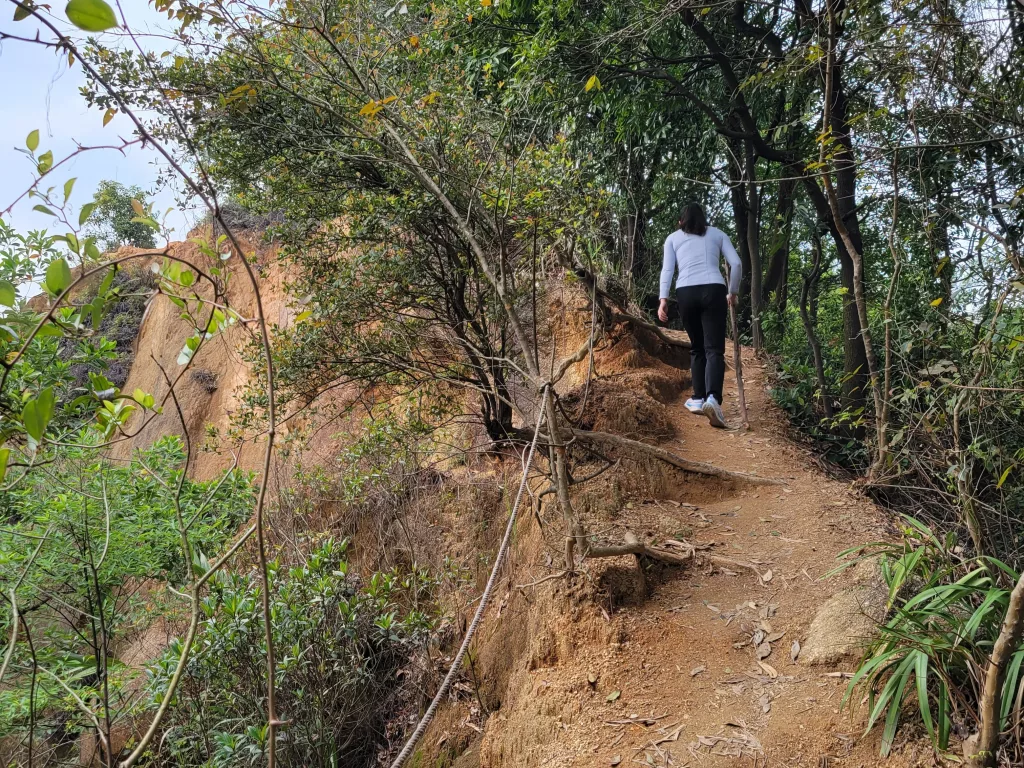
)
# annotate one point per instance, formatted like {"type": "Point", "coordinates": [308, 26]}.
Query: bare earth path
{"type": "Point", "coordinates": [676, 680]}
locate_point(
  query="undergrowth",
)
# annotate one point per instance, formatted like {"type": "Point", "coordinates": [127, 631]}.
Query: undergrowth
{"type": "Point", "coordinates": [927, 662]}
{"type": "Point", "coordinates": [344, 647]}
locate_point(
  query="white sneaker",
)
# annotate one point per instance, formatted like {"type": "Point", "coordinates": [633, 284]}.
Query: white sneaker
{"type": "Point", "coordinates": [714, 413]}
{"type": "Point", "coordinates": [693, 405]}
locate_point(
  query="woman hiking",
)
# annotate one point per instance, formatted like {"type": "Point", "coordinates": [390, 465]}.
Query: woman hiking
{"type": "Point", "coordinates": [696, 250]}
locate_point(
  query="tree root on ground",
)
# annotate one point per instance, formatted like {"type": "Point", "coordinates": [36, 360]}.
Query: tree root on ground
{"type": "Point", "coordinates": [687, 554]}
{"type": "Point", "coordinates": [697, 467]}
{"type": "Point", "coordinates": [633, 546]}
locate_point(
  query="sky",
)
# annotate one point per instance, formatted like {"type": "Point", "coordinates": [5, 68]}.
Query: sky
{"type": "Point", "coordinates": [39, 91]}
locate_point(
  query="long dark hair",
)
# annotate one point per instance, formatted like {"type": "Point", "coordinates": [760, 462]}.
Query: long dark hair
{"type": "Point", "coordinates": [692, 220]}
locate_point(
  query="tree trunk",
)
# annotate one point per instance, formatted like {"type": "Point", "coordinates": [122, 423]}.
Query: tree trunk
{"type": "Point", "coordinates": [807, 293]}
{"type": "Point", "coordinates": [738, 196]}
{"type": "Point", "coordinates": [635, 242]}
{"type": "Point", "coordinates": [991, 698]}
{"type": "Point", "coordinates": [777, 278]}
{"type": "Point", "coordinates": [754, 244]}
{"type": "Point", "coordinates": [842, 198]}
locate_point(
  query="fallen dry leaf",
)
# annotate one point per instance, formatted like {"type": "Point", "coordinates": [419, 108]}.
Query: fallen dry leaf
{"type": "Point", "coordinates": [592, 678]}
{"type": "Point", "coordinates": [758, 636]}
{"type": "Point", "coordinates": [794, 651]}
{"type": "Point", "coordinates": [697, 670]}
{"type": "Point", "coordinates": [613, 695]}
{"type": "Point", "coordinates": [767, 576]}
{"type": "Point", "coordinates": [763, 651]}
{"type": "Point", "coordinates": [768, 669]}
{"type": "Point", "coordinates": [774, 637]}
{"type": "Point", "coordinates": [616, 760]}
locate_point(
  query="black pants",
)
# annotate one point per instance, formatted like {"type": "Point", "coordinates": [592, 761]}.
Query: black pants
{"type": "Point", "coordinates": [702, 309]}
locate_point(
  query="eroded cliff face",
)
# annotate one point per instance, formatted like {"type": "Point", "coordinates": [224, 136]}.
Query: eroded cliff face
{"type": "Point", "coordinates": [209, 391]}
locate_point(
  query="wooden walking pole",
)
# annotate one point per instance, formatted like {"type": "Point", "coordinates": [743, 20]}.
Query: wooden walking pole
{"type": "Point", "coordinates": [738, 365]}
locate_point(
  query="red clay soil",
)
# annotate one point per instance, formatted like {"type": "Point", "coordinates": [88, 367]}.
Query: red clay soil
{"type": "Point", "coordinates": [660, 669]}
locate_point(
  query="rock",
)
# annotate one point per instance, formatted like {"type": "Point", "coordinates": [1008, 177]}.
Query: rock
{"type": "Point", "coordinates": [848, 620]}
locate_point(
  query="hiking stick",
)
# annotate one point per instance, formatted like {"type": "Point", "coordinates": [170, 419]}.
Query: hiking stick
{"type": "Point", "coordinates": [738, 365]}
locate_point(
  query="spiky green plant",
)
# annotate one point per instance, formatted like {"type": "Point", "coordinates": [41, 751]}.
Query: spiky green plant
{"type": "Point", "coordinates": [944, 612]}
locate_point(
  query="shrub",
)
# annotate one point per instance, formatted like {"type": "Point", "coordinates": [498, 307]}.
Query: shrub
{"type": "Point", "coordinates": [929, 657]}
{"type": "Point", "coordinates": [108, 538]}
{"type": "Point", "coordinates": [341, 646]}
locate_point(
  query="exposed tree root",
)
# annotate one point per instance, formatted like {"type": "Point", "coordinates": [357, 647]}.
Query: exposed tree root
{"type": "Point", "coordinates": [633, 546]}
{"type": "Point", "coordinates": [625, 317]}
{"type": "Point", "coordinates": [696, 467]}
{"type": "Point", "coordinates": [687, 554]}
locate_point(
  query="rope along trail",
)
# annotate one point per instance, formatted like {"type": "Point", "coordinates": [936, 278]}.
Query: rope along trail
{"type": "Point", "coordinates": [428, 716]}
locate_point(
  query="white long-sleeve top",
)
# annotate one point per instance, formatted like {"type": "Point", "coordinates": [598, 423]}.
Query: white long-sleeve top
{"type": "Point", "coordinates": [698, 259]}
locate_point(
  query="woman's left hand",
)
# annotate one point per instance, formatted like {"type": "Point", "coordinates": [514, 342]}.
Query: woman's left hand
{"type": "Point", "coordinates": [732, 299]}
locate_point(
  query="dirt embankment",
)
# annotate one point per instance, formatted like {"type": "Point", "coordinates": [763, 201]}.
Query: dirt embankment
{"type": "Point", "coordinates": [626, 661]}
{"type": "Point", "coordinates": [209, 392]}
{"type": "Point", "coordinates": [634, 662]}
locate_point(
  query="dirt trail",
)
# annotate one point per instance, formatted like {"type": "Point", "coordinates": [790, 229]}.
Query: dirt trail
{"type": "Point", "coordinates": [678, 666]}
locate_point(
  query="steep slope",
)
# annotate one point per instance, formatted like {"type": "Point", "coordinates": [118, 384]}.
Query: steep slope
{"type": "Point", "coordinates": [622, 666]}
{"type": "Point", "coordinates": [209, 392]}
{"type": "Point", "coordinates": [626, 661]}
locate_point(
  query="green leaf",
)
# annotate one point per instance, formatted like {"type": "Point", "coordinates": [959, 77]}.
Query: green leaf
{"type": "Point", "coordinates": [45, 162]}
{"type": "Point", "coordinates": [191, 345]}
{"type": "Point", "coordinates": [91, 15]}
{"type": "Point", "coordinates": [5, 455]}
{"type": "Point", "coordinates": [91, 250]}
{"type": "Point", "coordinates": [594, 83]}
{"type": "Point", "coordinates": [8, 293]}
{"type": "Point", "coordinates": [83, 215]}
{"type": "Point", "coordinates": [32, 141]}
{"type": "Point", "coordinates": [46, 404]}
{"type": "Point", "coordinates": [147, 220]}
{"type": "Point", "coordinates": [24, 10]}
{"type": "Point", "coordinates": [58, 276]}
{"type": "Point", "coordinates": [108, 280]}
{"type": "Point", "coordinates": [613, 695]}
{"type": "Point", "coordinates": [921, 678]}
{"type": "Point", "coordinates": [1011, 684]}
{"type": "Point", "coordinates": [49, 330]}
{"type": "Point", "coordinates": [43, 209]}
{"type": "Point", "coordinates": [37, 413]}
{"type": "Point", "coordinates": [68, 186]}
{"type": "Point", "coordinates": [1002, 478]}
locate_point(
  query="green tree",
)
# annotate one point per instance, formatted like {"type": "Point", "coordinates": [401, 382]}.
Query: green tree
{"type": "Point", "coordinates": [113, 220]}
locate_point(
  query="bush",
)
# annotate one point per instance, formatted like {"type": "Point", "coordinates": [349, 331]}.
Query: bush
{"type": "Point", "coordinates": [929, 657]}
{"type": "Point", "coordinates": [341, 646]}
{"type": "Point", "coordinates": [108, 538]}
